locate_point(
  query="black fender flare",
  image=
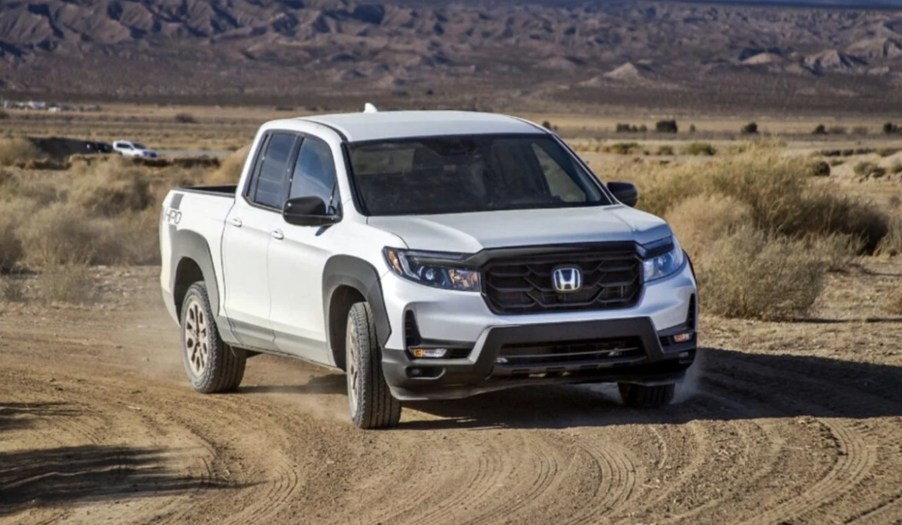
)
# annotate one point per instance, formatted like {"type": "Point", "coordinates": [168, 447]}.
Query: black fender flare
{"type": "Point", "coordinates": [356, 273]}
{"type": "Point", "coordinates": [190, 245]}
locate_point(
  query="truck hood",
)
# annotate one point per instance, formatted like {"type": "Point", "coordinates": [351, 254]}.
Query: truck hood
{"type": "Point", "coordinates": [472, 232]}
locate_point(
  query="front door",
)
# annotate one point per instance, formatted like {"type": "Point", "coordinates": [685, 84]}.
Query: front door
{"type": "Point", "coordinates": [297, 259]}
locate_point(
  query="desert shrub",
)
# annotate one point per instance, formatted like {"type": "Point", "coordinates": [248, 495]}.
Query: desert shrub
{"type": "Point", "coordinates": [67, 283]}
{"type": "Point", "coordinates": [837, 130]}
{"type": "Point", "coordinates": [700, 148]}
{"type": "Point", "coordinates": [887, 152]}
{"type": "Point", "coordinates": [778, 192]}
{"type": "Point", "coordinates": [11, 249]}
{"type": "Point", "coordinates": [3, 115]}
{"type": "Point", "coordinates": [665, 150]}
{"type": "Point", "coordinates": [17, 149]}
{"type": "Point", "coordinates": [692, 128]}
{"type": "Point", "coordinates": [896, 167]}
{"type": "Point", "coordinates": [701, 220]}
{"type": "Point", "coordinates": [185, 118]}
{"type": "Point", "coordinates": [108, 189]}
{"type": "Point", "coordinates": [750, 129]}
{"type": "Point", "coordinates": [891, 243]}
{"type": "Point", "coordinates": [751, 274]}
{"type": "Point", "coordinates": [134, 238]}
{"type": "Point", "coordinates": [864, 168]}
{"type": "Point", "coordinates": [666, 126]}
{"type": "Point", "coordinates": [890, 129]}
{"type": "Point", "coordinates": [623, 148]}
{"type": "Point", "coordinates": [59, 234]}
{"type": "Point", "coordinates": [860, 130]}
{"type": "Point", "coordinates": [894, 303]}
{"type": "Point", "coordinates": [820, 130]}
{"type": "Point", "coordinates": [825, 212]}
{"type": "Point", "coordinates": [230, 168]}
{"type": "Point", "coordinates": [548, 125]}
{"type": "Point", "coordinates": [819, 168]}
{"type": "Point", "coordinates": [13, 290]}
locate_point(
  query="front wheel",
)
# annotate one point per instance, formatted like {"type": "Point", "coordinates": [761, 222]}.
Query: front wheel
{"type": "Point", "coordinates": [369, 398]}
{"type": "Point", "coordinates": [211, 364]}
{"type": "Point", "coordinates": [642, 396]}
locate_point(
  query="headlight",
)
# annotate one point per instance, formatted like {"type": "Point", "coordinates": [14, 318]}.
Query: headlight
{"type": "Point", "coordinates": [665, 264]}
{"type": "Point", "coordinates": [441, 270]}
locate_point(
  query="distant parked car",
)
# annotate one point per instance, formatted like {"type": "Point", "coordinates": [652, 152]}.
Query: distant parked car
{"type": "Point", "coordinates": [98, 147]}
{"type": "Point", "coordinates": [133, 149]}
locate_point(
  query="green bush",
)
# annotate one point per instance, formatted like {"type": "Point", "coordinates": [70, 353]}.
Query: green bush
{"type": "Point", "coordinates": [750, 129]}
{"type": "Point", "coordinates": [820, 130]}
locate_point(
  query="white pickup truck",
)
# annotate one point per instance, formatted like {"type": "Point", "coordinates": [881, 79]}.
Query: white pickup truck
{"type": "Point", "coordinates": [429, 255]}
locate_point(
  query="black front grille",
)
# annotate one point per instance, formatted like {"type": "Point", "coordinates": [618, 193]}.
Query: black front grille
{"type": "Point", "coordinates": [570, 352]}
{"type": "Point", "coordinates": [612, 278]}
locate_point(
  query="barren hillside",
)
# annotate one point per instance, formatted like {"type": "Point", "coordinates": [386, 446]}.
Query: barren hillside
{"type": "Point", "coordinates": [678, 54]}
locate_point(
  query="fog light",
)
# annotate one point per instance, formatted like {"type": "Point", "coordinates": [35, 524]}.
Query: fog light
{"type": "Point", "coordinates": [683, 338]}
{"type": "Point", "coordinates": [428, 353]}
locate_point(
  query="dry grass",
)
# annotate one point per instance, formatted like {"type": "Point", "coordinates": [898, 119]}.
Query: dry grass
{"type": "Point", "coordinates": [13, 290]}
{"type": "Point", "coordinates": [779, 192]}
{"type": "Point", "coordinates": [891, 244]}
{"type": "Point", "coordinates": [700, 221]}
{"type": "Point", "coordinates": [59, 234]}
{"type": "Point", "coordinates": [11, 249]}
{"type": "Point", "coordinates": [751, 274]}
{"type": "Point", "coordinates": [894, 303]}
{"type": "Point", "coordinates": [109, 189]}
{"type": "Point", "coordinates": [17, 149]}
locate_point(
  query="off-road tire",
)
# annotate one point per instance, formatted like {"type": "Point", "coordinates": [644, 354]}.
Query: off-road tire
{"type": "Point", "coordinates": [369, 398]}
{"type": "Point", "coordinates": [641, 396]}
{"type": "Point", "coordinates": [211, 365]}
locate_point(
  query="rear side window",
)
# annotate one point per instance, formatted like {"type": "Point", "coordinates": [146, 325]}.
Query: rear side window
{"type": "Point", "coordinates": [314, 172]}
{"type": "Point", "coordinates": [271, 183]}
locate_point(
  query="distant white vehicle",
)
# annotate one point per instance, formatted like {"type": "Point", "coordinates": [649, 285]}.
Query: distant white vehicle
{"type": "Point", "coordinates": [133, 149]}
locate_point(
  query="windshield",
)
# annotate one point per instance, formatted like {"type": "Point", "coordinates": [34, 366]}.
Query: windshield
{"type": "Point", "coordinates": [469, 174]}
{"type": "Point", "coordinates": [138, 145]}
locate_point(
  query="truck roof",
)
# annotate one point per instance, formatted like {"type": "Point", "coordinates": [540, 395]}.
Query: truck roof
{"type": "Point", "coordinates": [358, 127]}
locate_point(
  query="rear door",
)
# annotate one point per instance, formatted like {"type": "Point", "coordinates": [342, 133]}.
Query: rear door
{"type": "Point", "coordinates": [249, 229]}
{"type": "Point", "coordinates": [298, 256]}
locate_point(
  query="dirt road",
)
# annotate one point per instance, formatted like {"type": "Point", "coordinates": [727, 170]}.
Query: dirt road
{"type": "Point", "coordinates": [798, 423]}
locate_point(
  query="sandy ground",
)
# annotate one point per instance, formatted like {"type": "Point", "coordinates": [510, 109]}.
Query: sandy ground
{"type": "Point", "coordinates": [780, 422]}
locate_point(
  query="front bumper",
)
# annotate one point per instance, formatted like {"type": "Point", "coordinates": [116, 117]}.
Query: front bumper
{"type": "Point", "coordinates": [462, 320]}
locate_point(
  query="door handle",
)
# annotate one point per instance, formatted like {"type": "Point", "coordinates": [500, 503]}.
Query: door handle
{"type": "Point", "coordinates": [278, 235]}
{"type": "Point", "coordinates": [236, 222]}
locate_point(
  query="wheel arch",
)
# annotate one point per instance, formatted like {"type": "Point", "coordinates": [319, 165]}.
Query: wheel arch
{"type": "Point", "coordinates": [192, 261]}
{"type": "Point", "coordinates": [348, 280]}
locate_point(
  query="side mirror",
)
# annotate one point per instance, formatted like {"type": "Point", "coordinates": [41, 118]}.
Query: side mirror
{"type": "Point", "coordinates": [625, 192]}
{"type": "Point", "coordinates": [307, 211]}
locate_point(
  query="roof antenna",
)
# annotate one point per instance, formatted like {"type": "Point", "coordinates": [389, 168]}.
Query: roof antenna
{"type": "Point", "coordinates": [369, 108]}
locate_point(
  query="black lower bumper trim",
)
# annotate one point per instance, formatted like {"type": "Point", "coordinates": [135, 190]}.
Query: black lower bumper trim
{"type": "Point", "coordinates": [415, 379]}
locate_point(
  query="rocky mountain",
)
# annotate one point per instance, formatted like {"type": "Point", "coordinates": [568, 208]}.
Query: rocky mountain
{"type": "Point", "coordinates": [316, 52]}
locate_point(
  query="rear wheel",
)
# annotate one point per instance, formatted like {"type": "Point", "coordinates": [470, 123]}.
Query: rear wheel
{"type": "Point", "coordinates": [642, 396]}
{"type": "Point", "coordinates": [369, 398]}
{"type": "Point", "coordinates": [211, 364]}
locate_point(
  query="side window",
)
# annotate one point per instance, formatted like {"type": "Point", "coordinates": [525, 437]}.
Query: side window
{"type": "Point", "coordinates": [314, 172]}
{"type": "Point", "coordinates": [271, 182]}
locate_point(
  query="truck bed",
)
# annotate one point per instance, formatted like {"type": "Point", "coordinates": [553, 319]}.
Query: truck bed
{"type": "Point", "coordinates": [218, 191]}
